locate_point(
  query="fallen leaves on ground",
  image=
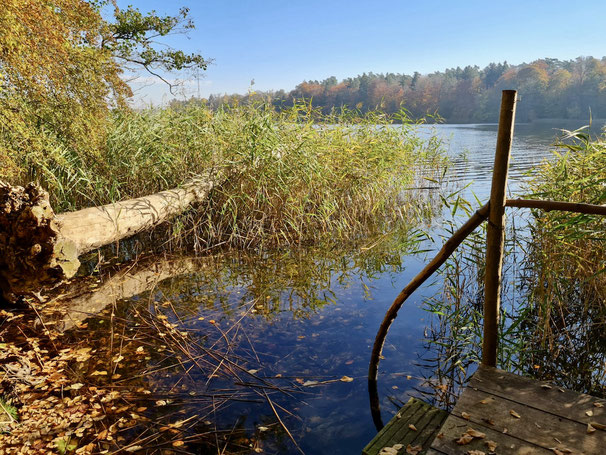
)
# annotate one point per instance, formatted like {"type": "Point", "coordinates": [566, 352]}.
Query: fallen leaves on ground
{"type": "Point", "coordinates": [492, 446]}
{"type": "Point", "coordinates": [469, 436]}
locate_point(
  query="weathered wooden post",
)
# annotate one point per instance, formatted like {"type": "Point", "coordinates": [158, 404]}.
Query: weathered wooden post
{"type": "Point", "coordinates": [495, 231]}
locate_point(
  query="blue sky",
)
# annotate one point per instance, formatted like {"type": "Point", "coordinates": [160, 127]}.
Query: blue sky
{"type": "Point", "coordinates": [281, 43]}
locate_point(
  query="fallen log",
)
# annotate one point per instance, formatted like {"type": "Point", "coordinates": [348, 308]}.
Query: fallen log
{"type": "Point", "coordinates": [39, 248]}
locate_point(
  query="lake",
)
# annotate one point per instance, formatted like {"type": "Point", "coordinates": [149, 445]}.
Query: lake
{"type": "Point", "coordinates": [290, 333]}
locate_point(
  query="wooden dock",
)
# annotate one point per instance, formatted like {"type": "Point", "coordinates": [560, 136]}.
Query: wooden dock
{"type": "Point", "coordinates": [416, 424]}
{"type": "Point", "coordinates": [502, 413]}
{"type": "Point", "coordinates": [523, 417]}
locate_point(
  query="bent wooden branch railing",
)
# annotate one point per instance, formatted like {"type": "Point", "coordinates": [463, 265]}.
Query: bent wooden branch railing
{"type": "Point", "coordinates": [494, 253]}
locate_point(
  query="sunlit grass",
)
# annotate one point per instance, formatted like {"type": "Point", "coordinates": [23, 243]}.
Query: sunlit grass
{"type": "Point", "coordinates": [290, 177]}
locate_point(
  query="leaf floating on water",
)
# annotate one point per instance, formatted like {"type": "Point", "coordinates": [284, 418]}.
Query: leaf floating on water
{"type": "Point", "coordinates": [178, 443]}
{"type": "Point", "coordinates": [161, 403]}
{"type": "Point", "coordinates": [412, 427]}
{"type": "Point", "coordinates": [590, 429]}
{"type": "Point", "coordinates": [346, 379]}
{"type": "Point", "coordinates": [546, 386]}
{"type": "Point", "coordinates": [252, 371]}
{"type": "Point", "coordinates": [133, 448]}
{"type": "Point", "coordinates": [263, 429]}
{"type": "Point", "coordinates": [589, 413]}
{"type": "Point", "coordinates": [465, 415]}
{"type": "Point", "coordinates": [77, 386]}
{"type": "Point", "coordinates": [598, 405]}
{"type": "Point", "coordinates": [99, 373]}
{"type": "Point", "coordinates": [515, 414]}
{"type": "Point", "coordinates": [413, 450]}
{"type": "Point", "coordinates": [310, 383]}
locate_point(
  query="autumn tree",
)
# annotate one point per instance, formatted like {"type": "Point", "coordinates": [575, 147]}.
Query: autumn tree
{"type": "Point", "coordinates": [61, 68]}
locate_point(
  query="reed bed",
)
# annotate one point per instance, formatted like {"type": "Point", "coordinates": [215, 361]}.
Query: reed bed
{"type": "Point", "coordinates": [290, 177]}
{"type": "Point", "coordinates": [565, 265]}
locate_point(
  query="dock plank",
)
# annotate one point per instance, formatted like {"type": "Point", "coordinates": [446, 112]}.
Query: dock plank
{"type": "Point", "coordinates": [535, 426]}
{"type": "Point", "coordinates": [523, 416]}
{"type": "Point", "coordinates": [425, 418]}
{"type": "Point", "coordinates": [556, 400]}
{"type": "Point", "coordinates": [455, 427]}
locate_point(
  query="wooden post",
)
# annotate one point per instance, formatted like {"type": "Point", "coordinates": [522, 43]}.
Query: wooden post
{"type": "Point", "coordinates": [495, 231]}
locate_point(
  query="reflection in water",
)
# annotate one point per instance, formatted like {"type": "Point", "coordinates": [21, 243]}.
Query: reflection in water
{"type": "Point", "coordinates": [261, 346]}
{"type": "Point", "coordinates": [83, 299]}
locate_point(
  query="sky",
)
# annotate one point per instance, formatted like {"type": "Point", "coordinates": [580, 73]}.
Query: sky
{"type": "Point", "coordinates": [279, 44]}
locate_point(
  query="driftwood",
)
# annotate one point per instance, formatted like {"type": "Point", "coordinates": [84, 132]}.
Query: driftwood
{"type": "Point", "coordinates": [82, 299]}
{"type": "Point", "coordinates": [39, 248]}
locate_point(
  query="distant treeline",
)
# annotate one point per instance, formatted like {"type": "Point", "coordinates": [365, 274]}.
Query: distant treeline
{"type": "Point", "coordinates": [548, 88]}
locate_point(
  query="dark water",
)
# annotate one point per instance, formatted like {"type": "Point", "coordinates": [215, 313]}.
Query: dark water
{"type": "Point", "coordinates": [306, 320]}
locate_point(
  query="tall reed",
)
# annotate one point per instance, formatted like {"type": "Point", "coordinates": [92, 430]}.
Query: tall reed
{"type": "Point", "coordinates": [292, 176]}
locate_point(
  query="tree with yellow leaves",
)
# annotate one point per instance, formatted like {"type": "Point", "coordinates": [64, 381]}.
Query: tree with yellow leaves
{"type": "Point", "coordinates": [60, 74]}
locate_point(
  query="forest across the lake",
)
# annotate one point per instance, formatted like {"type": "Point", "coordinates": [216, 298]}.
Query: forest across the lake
{"type": "Point", "coordinates": [548, 88]}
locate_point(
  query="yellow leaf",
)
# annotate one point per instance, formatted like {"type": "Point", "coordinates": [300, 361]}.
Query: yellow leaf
{"type": "Point", "coordinates": [346, 379]}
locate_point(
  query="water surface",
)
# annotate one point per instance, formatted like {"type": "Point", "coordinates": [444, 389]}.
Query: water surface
{"type": "Point", "coordinates": [305, 321]}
